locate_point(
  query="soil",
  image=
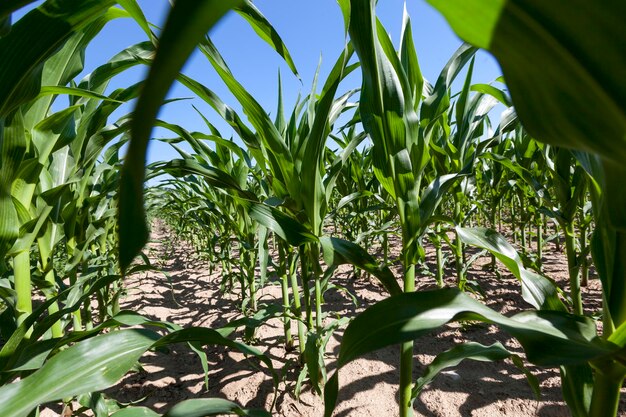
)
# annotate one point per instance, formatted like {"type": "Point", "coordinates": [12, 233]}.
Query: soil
{"type": "Point", "coordinates": [368, 386]}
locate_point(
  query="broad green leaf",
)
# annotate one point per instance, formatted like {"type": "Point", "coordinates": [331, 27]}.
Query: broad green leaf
{"type": "Point", "coordinates": [266, 31]}
{"type": "Point", "coordinates": [473, 351]}
{"type": "Point", "coordinates": [136, 412]}
{"type": "Point", "coordinates": [133, 9]}
{"type": "Point", "coordinates": [313, 193]}
{"type": "Point", "coordinates": [201, 407]}
{"type": "Point", "coordinates": [12, 150]}
{"type": "Point", "coordinates": [275, 149]}
{"type": "Point", "coordinates": [389, 117]}
{"type": "Point", "coordinates": [433, 194]}
{"type": "Point", "coordinates": [288, 228]}
{"type": "Point", "coordinates": [214, 176]}
{"type": "Point", "coordinates": [187, 22]}
{"type": "Point", "coordinates": [537, 290]}
{"type": "Point", "coordinates": [408, 56]}
{"type": "Point", "coordinates": [91, 365]}
{"type": "Point", "coordinates": [580, 44]}
{"type": "Point", "coordinates": [339, 251]}
{"type": "Point", "coordinates": [77, 92]}
{"type": "Point", "coordinates": [34, 39]}
{"type": "Point", "coordinates": [577, 388]}
{"type": "Point", "coordinates": [549, 338]}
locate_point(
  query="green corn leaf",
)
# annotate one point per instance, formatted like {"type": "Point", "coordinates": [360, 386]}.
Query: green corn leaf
{"type": "Point", "coordinates": [285, 226]}
{"type": "Point", "coordinates": [33, 40]}
{"type": "Point", "coordinates": [388, 115]}
{"type": "Point", "coordinates": [433, 194]}
{"type": "Point", "coordinates": [577, 388]}
{"type": "Point", "coordinates": [275, 150]}
{"type": "Point", "coordinates": [339, 251]}
{"type": "Point", "coordinates": [408, 57]}
{"type": "Point", "coordinates": [12, 151]}
{"type": "Point", "coordinates": [214, 176]}
{"type": "Point", "coordinates": [97, 363]}
{"type": "Point", "coordinates": [313, 192]}
{"type": "Point", "coordinates": [136, 412]}
{"type": "Point", "coordinates": [266, 31]}
{"type": "Point", "coordinates": [187, 22]}
{"type": "Point", "coordinates": [133, 9]}
{"type": "Point", "coordinates": [549, 338]}
{"type": "Point", "coordinates": [91, 365]}
{"type": "Point", "coordinates": [473, 351]}
{"type": "Point", "coordinates": [199, 407]}
{"type": "Point", "coordinates": [77, 92]}
{"type": "Point", "coordinates": [537, 290]}
{"type": "Point", "coordinates": [579, 66]}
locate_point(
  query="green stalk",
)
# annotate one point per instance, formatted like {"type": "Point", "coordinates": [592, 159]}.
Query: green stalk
{"type": "Point", "coordinates": [499, 212]}
{"type": "Point", "coordinates": [540, 241]}
{"type": "Point", "coordinates": [21, 270]}
{"type": "Point", "coordinates": [439, 255]}
{"type": "Point", "coordinates": [513, 220]}
{"type": "Point", "coordinates": [252, 285]}
{"type": "Point", "coordinates": [385, 248]}
{"type": "Point", "coordinates": [584, 267]}
{"type": "Point", "coordinates": [573, 268]}
{"type": "Point", "coordinates": [406, 355]}
{"type": "Point", "coordinates": [522, 215]}
{"type": "Point", "coordinates": [88, 315]}
{"type": "Point", "coordinates": [314, 252]}
{"type": "Point", "coordinates": [306, 275]}
{"type": "Point", "coordinates": [297, 304]}
{"type": "Point", "coordinates": [71, 246]}
{"type": "Point", "coordinates": [46, 260]}
{"type": "Point", "coordinates": [284, 284]}
{"type": "Point", "coordinates": [606, 394]}
{"type": "Point", "coordinates": [458, 251]}
{"type": "Point", "coordinates": [287, 321]}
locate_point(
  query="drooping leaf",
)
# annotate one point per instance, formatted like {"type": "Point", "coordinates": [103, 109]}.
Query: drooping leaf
{"type": "Point", "coordinates": [473, 351]}
{"type": "Point", "coordinates": [549, 338]}
{"type": "Point", "coordinates": [187, 22]}
{"type": "Point", "coordinates": [339, 251]}
{"type": "Point", "coordinates": [91, 365]}
{"type": "Point", "coordinates": [537, 290]}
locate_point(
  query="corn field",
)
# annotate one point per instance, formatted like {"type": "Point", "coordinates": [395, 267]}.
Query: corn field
{"type": "Point", "coordinates": [403, 182]}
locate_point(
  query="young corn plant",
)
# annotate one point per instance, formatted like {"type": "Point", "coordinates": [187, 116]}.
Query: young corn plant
{"type": "Point", "coordinates": [401, 126]}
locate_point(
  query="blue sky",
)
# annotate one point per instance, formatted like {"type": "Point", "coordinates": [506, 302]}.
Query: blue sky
{"type": "Point", "coordinates": [310, 28]}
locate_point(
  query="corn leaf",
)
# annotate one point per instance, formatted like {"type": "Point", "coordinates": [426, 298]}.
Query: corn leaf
{"type": "Point", "coordinates": [473, 351]}
{"type": "Point", "coordinates": [199, 407]}
{"type": "Point", "coordinates": [187, 22]}
{"type": "Point", "coordinates": [33, 40]}
{"type": "Point", "coordinates": [339, 251]}
{"type": "Point", "coordinates": [537, 290]}
{"type": "Point", "coordinates": [579, 66]}
{"type": "Point", "coordinates": [549, 338]}
{"type": "Point", "coordinates": [91, 365]}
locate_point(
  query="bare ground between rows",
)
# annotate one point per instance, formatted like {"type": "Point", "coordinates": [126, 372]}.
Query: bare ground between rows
{"type": "Point", "coordinates": [368, 386]}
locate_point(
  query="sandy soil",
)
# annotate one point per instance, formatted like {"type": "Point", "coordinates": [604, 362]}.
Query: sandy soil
{"type": "Point", "coordinates": [368, 386]}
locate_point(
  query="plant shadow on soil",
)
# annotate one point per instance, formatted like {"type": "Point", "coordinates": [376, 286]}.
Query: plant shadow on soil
{"type": "Point", "coordinates": [191, 296]}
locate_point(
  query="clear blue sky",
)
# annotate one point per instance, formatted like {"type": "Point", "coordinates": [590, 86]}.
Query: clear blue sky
{"type": "Point", "coordinates": [310, 29]}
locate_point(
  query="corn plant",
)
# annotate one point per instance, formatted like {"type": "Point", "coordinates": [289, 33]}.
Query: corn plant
{"type": "Point", "coordinates": [401, 127]}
